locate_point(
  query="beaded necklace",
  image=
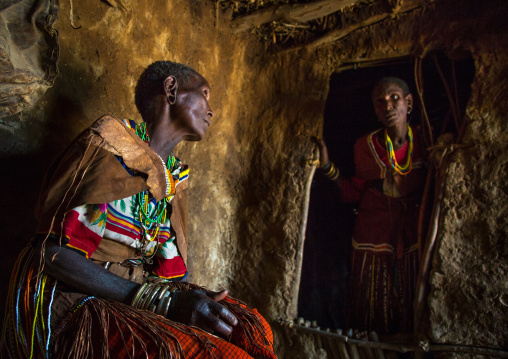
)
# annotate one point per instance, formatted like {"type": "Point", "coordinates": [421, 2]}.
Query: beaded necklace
{"type": "Point", "coordinates": [150, 221]}
{"type": "Point", "coordinates": [406, 168]}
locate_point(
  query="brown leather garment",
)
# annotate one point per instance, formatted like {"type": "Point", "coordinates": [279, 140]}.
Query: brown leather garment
{"type": "Point", "coordinates": [89, 173]}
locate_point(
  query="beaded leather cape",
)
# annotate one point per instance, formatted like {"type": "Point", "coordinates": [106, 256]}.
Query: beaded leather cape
{"type": "Point", "coordinates": [46, 318]}
{"type": "Point", "coordinates": [89, 173]}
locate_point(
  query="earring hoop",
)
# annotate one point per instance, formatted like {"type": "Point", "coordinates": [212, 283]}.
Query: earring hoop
{"type": "Point", "coordinates": [171, 99]}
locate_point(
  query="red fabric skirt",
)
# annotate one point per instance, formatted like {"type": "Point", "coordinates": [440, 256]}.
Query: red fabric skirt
{"type": "Point", "coordinates": [97, 328]}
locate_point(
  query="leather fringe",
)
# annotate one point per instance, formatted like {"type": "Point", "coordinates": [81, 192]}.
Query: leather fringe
{"type": "Point", "coordinates": [89, 323]}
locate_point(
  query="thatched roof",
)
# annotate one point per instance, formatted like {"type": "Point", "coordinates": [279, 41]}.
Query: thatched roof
{"type": "Point", "coordinates": [290, 24]}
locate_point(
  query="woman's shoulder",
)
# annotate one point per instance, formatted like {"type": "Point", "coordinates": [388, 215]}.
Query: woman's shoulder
{"type": "Point", "coordinates": [366, 140]}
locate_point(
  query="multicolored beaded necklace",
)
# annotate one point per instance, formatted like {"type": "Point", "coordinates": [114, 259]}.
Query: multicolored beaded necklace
{"type": "Point", "coordinates": [406, 168]}
{"type": "Point", "coordinates": [150, 222]}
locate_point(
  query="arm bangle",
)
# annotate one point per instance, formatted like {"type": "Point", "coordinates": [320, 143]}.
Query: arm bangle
{"type": "Point", "coordinates": [326, 166]}
{"type": "Point", "coordinates": [335, 175]}
{"type": "Point", "coordinates": [330, 171]}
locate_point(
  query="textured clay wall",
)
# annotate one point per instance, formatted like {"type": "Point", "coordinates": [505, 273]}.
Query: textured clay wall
{"type": "Point", "coordinates": [247, 176]}
{"type": "Point", "coordinates": [469, 300]}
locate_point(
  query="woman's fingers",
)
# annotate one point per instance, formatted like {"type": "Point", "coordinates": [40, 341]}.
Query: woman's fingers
{"type": "Point", "coordinates": [323, 150]}
{"type": "Point", "coordinates": [216, 323]}
{"type": "Point", "coordinates": [217, 296]}
{"type": "Point", "coordinates": [219, 309]}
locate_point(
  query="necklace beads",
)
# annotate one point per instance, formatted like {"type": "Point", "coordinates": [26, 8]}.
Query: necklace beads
{"type": "Point", "coordinates": [406, 168]}
{"type": "Point", "coordinates": [141, 132]}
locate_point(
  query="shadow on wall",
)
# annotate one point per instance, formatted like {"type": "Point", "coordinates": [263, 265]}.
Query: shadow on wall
{"type": "Point", "coordinates": [23, 164]}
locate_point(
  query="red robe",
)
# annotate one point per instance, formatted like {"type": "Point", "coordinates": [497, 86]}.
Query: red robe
{"type": "Point", "coordinates": [385, 259]}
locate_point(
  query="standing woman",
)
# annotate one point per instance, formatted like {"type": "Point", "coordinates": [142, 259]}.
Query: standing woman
{"type": "Point", "coordinates": [387, 185]}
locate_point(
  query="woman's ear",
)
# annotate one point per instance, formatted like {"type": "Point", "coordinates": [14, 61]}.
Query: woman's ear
{"type": "Point", "coordinates": [409, 100]}
{"type": "Point", "coordinates": [171, 89]}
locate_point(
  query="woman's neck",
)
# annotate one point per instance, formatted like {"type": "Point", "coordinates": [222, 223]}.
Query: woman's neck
{"type": "Point", "coordinates": [398, 135]}
{"type": "Point", "coordinates": [162, 140]}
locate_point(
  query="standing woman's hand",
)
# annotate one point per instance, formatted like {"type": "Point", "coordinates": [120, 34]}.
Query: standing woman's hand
{"type": "Point", "coordinates": [323, 151]}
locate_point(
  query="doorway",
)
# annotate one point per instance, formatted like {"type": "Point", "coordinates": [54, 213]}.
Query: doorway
{"type": "Point", "coordinates": [348, 115]}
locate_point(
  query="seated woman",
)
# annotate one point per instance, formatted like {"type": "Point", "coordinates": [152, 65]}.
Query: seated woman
{"type": "Point", "coordinates": [105, 276]}
{"type": "Point", "coordinates": [388, 184]}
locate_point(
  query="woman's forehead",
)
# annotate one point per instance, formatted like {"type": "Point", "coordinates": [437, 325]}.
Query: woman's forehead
{"type": "Point", "coordinates": [197, 81]}
{"type": "Point", "coordinates": [387, 88]}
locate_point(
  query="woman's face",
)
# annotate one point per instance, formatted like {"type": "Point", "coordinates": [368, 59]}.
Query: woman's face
{"type": "Point", "coordinates": [391, 105]}
{"type": "Point", "coordinates": [192, 110]}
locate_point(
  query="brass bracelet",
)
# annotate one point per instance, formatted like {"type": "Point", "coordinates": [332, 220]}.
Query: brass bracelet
{"type": "Point", "coordinates": [151, 294]}
{"type": "Point", "coordinates": [335, 175]}
{"type": "Point", "coordinates": [330, 170]}
{"type": "Point", "coordinates": [169, 298]}
{"type": "Point", "coordinates": [155, 297]}
{"type": "Point", "coordinates": [162, 300]}
{"type": "Point", "coordinates": [138, 295]}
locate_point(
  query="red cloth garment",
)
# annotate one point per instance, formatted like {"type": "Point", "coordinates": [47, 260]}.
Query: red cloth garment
{"type": "Point", "coordinates": [116, 331]}
{"type": "Point", "coordinates": [385, 261]}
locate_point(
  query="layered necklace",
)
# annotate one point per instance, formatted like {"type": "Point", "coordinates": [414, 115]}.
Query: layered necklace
{"type": "Point", "coordinates": [151, 220]}
{"type": "Point", "coordinates": [405, 168]}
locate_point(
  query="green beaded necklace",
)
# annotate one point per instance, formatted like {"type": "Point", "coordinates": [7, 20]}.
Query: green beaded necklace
{"type": "Point", "coordinates": [159, 214]}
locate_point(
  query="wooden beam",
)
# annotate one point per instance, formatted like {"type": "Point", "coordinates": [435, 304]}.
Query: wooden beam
{"type": "Point", "coordinates": [336, 35]}
{"type": "Point", "coordinates": [294, 12]}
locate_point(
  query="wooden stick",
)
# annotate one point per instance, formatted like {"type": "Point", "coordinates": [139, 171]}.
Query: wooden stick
{"type": "Point", "coordinates": [332, 346]}
{"type": "Point", "coordinates": [410, 347]}
{"type": "Point", "coordinates": [289, 12]}
{"type": "Point", "coordinates": [343, 350]}
{"type": "Point", "coordinates": [425, 264]}
{"type": "Point", "coordinates": [423, 209]}
{"type": "Point", "coordinates": [419, 89]}
{"type": "Point", "coordinates": [342, 345]}
{"type": "Point", "coordinates": [448, 93]}
{"type": "Point", "coordinates": [303, 227]}
{"type": "Point", "coordinates": [368, 353]}
{"type": "Point", "coordinates": [378, 351]}
{"type": "Point", "coordinates": [354, 351]}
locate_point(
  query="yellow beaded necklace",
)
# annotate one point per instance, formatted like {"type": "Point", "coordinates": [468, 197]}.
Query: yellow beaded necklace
{"type": "Point", "coordinates": [406, 168]}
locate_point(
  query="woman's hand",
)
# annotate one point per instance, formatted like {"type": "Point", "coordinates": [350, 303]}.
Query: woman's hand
{"type": "Point", "coordinates": [200, 308]}
{"type": "Point", "coordinates": [323, 151]}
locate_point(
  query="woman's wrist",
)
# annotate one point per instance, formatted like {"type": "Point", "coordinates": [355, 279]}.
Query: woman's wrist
{"type": "Point", "coordinates": [155, 297]}
{"type": "Point", "coordinates": [326, 165]}
{"type": "Point", "coordinates": [330, 171]}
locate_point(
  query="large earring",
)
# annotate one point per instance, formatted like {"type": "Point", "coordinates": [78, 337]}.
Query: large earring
{"type": "Point", "coordinates": [409, 110]}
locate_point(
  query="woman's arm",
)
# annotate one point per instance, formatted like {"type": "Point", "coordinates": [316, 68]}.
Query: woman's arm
{"type": "Point", "coordinates": [325, 163]}
{"type": "Point", "coordinates": [191, 307]}
{"type": "Point", "coordinates": [80, 273]}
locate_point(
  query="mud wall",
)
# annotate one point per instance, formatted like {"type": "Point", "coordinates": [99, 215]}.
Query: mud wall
{"type": "Point", "coordinates": [248, 176]}
{"type": "Point", "coordinates": [468, 289]}
{"type": "Point", "coordinates": [469, 280]}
